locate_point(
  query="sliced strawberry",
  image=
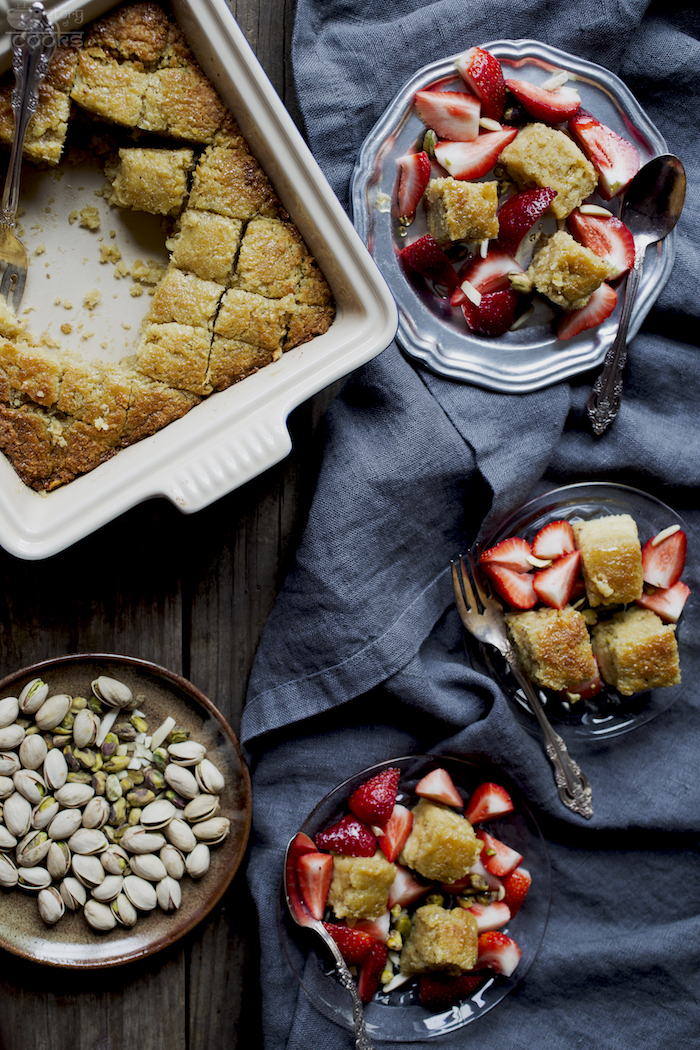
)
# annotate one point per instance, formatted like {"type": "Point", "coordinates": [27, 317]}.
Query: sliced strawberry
{"type": "Point", "coordinates": [471, 160]}
{"type": "Point", "coordinates": [354, 944]}
{"type": "Point", "coordinates": [438, 786]}
{"type": "Point", "coordinates": [489, 800]}
{"type": "Point", "coordinates": [371, 970]}
{"type": "Point", "coordinates": [553, 540]}
{"type": "Point", "coordinates": [586, 689]}
{"type": "Point", "coordinates": [453, 115]}
{"type": "Point", "coordinates": [516, 886]}
{"type": "Point", "coordinates": [488, 273]}
{"type": "Point", "coordinates": [554, 585]}
{"type": "Point", "coordinates": [314, 872]}
{"type": "Point", "coordinates": [668, 602]}
{"type": "Point", "coordinates": [550, 106]}
{"type": "Point", "coordinates": [300, 845]}
{"type": "Point", "coordinates": [483, 75]}
{"type": "Point", "coordinates": [427, 258]}
{"type": "Point", "coordinates": [496, 857]}
{"type": "Point", "coordinates": [520, 213]}
{"type": "Point", "coordinates": [490, 916]}
{"type": "Point", "coordinates": [376, 928]}
{"type": "Point", "coordinates": [396, 832]}
{"type": "Point", "coordinates": [514, 587]}
{"type": "Point", "coordinates": [374, 800]}
{"type": "Point", "coordinates": [616, 159]}
{"type": "Point", "coordinates": [493, 882]}
{"type": "Point", "coordinates": [414, 176]}
{"type": "Point", "coordinates": [511, 553]}
{"type": "Point", "coordinates": [405, 889]}
{"type": "Point", "coordinates": [663, 563]}
{"type": "Point", "coordinates": [600, 305]}
{"type": "Point", "coordinates": [348, 836]}
{"type": "Point", "coordinates": [607, 236]}
{"type": "Point", "coordinates": [495, 313]}
{"type": "Point", "coordinates": [437, 991]}
{"type": "Point", "coordinates": [498, 952]}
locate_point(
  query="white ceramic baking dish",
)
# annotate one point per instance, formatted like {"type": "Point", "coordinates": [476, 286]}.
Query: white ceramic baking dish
{"type": "Point", "coordinates": [238, 433]}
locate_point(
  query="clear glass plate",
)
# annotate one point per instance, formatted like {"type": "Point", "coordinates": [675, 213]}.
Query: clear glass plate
{"type": "Point", "coordinates": [399, 1016]}
{"type": "Point", "coordinates": [432, 331]}
{"type": "Point", "coordinates": [609, 714]}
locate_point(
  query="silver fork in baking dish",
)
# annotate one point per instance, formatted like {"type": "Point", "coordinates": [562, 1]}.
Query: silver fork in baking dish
{"type": "Point", "coordinates": [33, 44]}
{"type": "Point", "coordinates": [483, 618]}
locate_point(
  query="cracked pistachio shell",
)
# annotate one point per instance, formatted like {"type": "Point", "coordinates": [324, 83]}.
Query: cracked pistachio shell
{"type": "Point", "coordinates": [44, 813]}
{"type": "Point", "coordinates": [55, 769]}
{"type": "Point", "coordinates": [51, 905]}
{"type": "Point", "coordinates": [109, 889]}
{"type": "Point", "coordinates": [74, 794]}
{"type": "Point", "coordinates": [7, 786]}
{"type": "Point", "coordinates": [32, 849]}
{"type": "Point", "coordinates": [9, 710]}
{"type": "Point", "coordinates": [85, 726]}
{"type": "Point", "coordinates": [181, 780]}
{"type": "Point", "coordinates": [201, 808]}
{"type": "Point", "coordinates": [73, 893]}
{"type": "Point", "coordinates": [96, 813]}
{"type": "Point", "coordinates": [52, 712]}
{"type": "Point", "coordinates": [197, 862]}
{"type": "Point", "coordinates": [32, 696]}
{"type": "Point", "coordinates": [30, 784]}
{"type": "Point", "coordinates": [169, 894]}
{"type": "Point", "coordinates": [181, 835]}
{"type": "Point", "coordinates": [12, 736]}
{"type": "Point", "coordinates": [115, 860]}
{"type": "Point", "coordinates": [140, 892]}
{"type": "Point", "coordinates": [7, 839]}
{"type": "Point", "coordinates": [138, 840]}
{"type": "Point", "coordinates": [88, 870]}
{"type": "Point", "coordinates": [17, 814]}
{"type": "Point", "coordinates": [32, 879]}
{"type": "Point", "coordinates": [58, 859]}
{"type": "Point", "coordinates": [32, 751]}
{"type": "Point", "coordinates": [9, 764]}
{"type": "Point", "coordinates": [99, 916]}
{"type": "Point", "coordinates": [8, 872]}
{"type": "Point", "coordinates": [148, 866]}
{"type": "Point", "coordinates": [157, 814]}
{"type": "Point", "coordinates": [210, 778]}
{"type": "Point", "coordinates": [212, 831]}
{"type": "Point", "coordinates": [112, 692]}
{"type": "Point", "coordinates": [87, 841]}
{"type": "Point", "coordinates": [64, 824]}
{"type": "Point", "coordinates": [124, 911]}
{"type": "Point", "coordinates": [173, 860]}
{"type": "Point", "coordinates": [188, 753]}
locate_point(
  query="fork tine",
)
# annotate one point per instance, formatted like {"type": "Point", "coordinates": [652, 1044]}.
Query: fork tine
{"type": "Point", "coordinates": [478, 579]}
{"type": "Point", "coordinates": [461, 587]}
{"type": "Point", "coordinates": [12, 286]}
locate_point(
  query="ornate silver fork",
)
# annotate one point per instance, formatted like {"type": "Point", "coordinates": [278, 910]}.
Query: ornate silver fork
{"type": "Point", "coordinates": [484, 619]}
{"type": "Point", "coordinates": [33, 44]}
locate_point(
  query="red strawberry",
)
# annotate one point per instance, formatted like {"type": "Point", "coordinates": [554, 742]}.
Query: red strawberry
{"type": "Point", "coordinates": [494, 315]}
{"type": "Point", "coordinates": [615, 158]}
{"type": "Point", "coordinates": [496, 857]}
{"type": "Point", "coordinates": [405, 889]}
{"type": "Point", "coordinates": [300, 845]}
{"type": "Point", "coordinates": [550, 106]}
{"type": "Point", "coordinates": [437, 991]}
{"type": "Point", "coordinates": [452, 115]}
{"type": "Point", "coordinates": [483, 74]}
{"type": "Point", "coordinates": [488, 273]}
{"type": "Point", "coordinates": [520, 213]}
{"type": "Point", "coordinates": [374, 800]}
{"type": "Point", "coordinates": [498, 952]}
{"type": "Point", "coordinates": [511, 553]}
{"type": "Point", "coordinates": [314, 872]}
{"type": "Point", "coordinates": [354, 945]}
{"type": "Point", "coordinates": [376, 928]}
{"type": "Point", "coordinates": [554, 585]}
{"type": "Point", "coordinates": [600, 305]}
{"type": "Point", "coordinates": [414, 176]}
{"type": "Point", "coordinates": [371, 970]}
{"type": "Point", "coordinates": [493, 882]}
{"type": "Point", "coordinates": [396, 832]}
{"type": "Point", "coordinates": [426, 257]}
{"type": "Point", "coordinates": [471, 160]}
{"type": "Point", "coordinates": [490, 916]}
{"type": "Point", "coordinates": [514, 587]}
{"type": "Point", "coordinates": [608, 237]}
{"type": "Point", "coordinates": [516, 886]}
{"type": "Point", "coordinates": [667, 602]}
{"type": "Point", "coordinates": [438, 786]}
{"type": "Point", "coordinates": [553, 540]}
{"type": "Point", "coordinates": [348, 836]}
{"type": "Point", "coordinates": [664, 561]}
{"type": "Point", "coordinates": [488, 801]}
{"type": "Point", "coordinates": [586, 689]}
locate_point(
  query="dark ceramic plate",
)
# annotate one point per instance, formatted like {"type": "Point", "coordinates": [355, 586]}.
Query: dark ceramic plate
{"type": "Point", "coordinates": [71, 942]}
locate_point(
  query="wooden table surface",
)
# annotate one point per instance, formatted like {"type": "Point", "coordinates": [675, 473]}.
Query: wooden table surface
{"type": "Point", "coordinates": [192, 594]}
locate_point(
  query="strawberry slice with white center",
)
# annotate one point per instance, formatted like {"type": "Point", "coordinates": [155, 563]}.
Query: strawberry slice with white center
{"type": "Point", "coordinates": [663, 562]}
{"type": "Point", "coordinates": [496, 857]}
{"type": "Point", "coordinates": [600, 305]}
{"type": "Point", "coordinates": [553, 540]}
{"type": "Point", "coordinates": [490, 916]}
{"type": "Point", "coordinates": [482, 73]}
{"type": "Point", "coordinates": [615, 159]}
{"type": "Point", "coordinates": [438, 786]}
{"type": "Point", "coordinates": [377, 928]}
{"type": "Point", "coordinates": [514, 587]}
{"type": "Point", "coordinates": [405, 889]}
{"type": "Point", "coordinates": [414, 176]}
{"type": "Point", "coordinates": [511, 553]}
{"type": "Point", "coordinates": [396, 832]}
{"type": "Point", "coordinates": [495, 314]}
{"type": "Point", "coordinates": [551, 106]}
{"type": "Point", "coordinates": [554, 585]}
{"type": "Point", "coordinates": [607, 236]}
{"type": "Point", "coordinates": [300, 845]}
{"type": "Point", "coordinates": [498, 952]}
{"type": "Point", "coordinates": [666, 602]}
{"type": "Point", "coordinates": [314, 872]}
{"type": "Point", "coordinates": [471, 160]}
{"type": "Point", "coordinates": [452, 115]}
{"type": "Point", "coordinates": [488, 273]}
{"type": "Point", "coordinates": [427, 258]}
{"type": "Point", "coordinates": [519, 214]}
{"type": "Point", "coordinates": [488, 800]}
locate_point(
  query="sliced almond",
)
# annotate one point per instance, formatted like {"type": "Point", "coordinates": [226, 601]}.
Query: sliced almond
{"type": "Point", "coordinates": [664, 534]}
{"type": "Point", "coordinates": [556, 80]}
{"type": "Point", "coordinates": [595, 209]}
{"type": "Point", "coordinates": [472, 293]}
{"type": "Point", "coordinates": [539, 563]}
{"type": "Point", "coordinates": [490, 124]}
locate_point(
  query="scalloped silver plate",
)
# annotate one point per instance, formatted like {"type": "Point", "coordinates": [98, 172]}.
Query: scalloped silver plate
{"type": "Point", "coordinates": [429, 329]}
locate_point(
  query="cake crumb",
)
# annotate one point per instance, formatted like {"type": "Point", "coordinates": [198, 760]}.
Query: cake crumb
{"type": "Point", "coordinates": [91, 299]}
{"type": "Point", "coordinates": [90, 217]}
{"type": "Point", "coordinates": [126, 326]}
{"type": "Point", "coordinates": [136, 290]}
{"type": "Point", "coordinates": [57, 301]}
{"type": "Point", "coordinates": [66, 328]}
{"type": "Point", "coordinates": [73, 217]}
{"type": "Point", "coordinates": [67, 305]}
{"type": "Point", "coordinates": [121, 269]}
{"type": "Point", "coordinates": [149, 272]}
{"type": "Point", "coordinates": [40, 249]}
{"type": "Point", "coordinates": [109, 253]}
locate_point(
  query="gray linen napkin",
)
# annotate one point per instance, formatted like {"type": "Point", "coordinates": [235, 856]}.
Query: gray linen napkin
{"type": "Point", "coordinates": [362, 659]}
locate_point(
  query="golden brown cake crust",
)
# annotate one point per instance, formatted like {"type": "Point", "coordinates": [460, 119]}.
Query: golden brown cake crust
{"type": "Point", "coordinates": [360, 886]}
{"type": "Point", "coordinates": [544, 156]}
{"type": "Point", "coordinates": [440, 939]}
{"type": "Point", "coordinates": [567, 272]}
{"type": "Point", "coordinates": [461, 211]}
{"type": "Point", "coordinates": [636, 651]}
{"type": "Point", "coordinates": [553, 645]}
{"type": "Point", "coordinates": [611, 559]}
{"type": "Point", "coordinates": [442, 844]}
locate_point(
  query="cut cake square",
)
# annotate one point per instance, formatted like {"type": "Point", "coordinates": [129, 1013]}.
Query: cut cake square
{"type": "Point", "coordinates": [440, 939]}
{"type": "Point", "coordinates": [553, 645]}
{"type": "Point", "coordinates": [461, 211]}
{"type": "Point", "coordinates": [636, 650]}
{"type": "Point", "coordinates": [611, 559]}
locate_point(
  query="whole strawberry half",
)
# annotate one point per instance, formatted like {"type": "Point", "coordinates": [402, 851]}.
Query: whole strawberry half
{"type": "Point", "coordinates": [488, 801]}
{"type": "Point", "coordinates": [550, 106]}
{"type": "Point", "coordinates": [396, 832]}
{"type": "Point", "coordinates": [663, 562]}
{"type": "Point", "coordinates": [438, 786]}
{"type": "Point", "coordinates": [405, 889]}
{"type": "Point", "coordinates": [498, 952]}
{"type": "Point", "coordinates": [471, 160]}
{"type": "Point", "coordinates": [488, 273]}
{"type": "Point", "coordinates": [495, 313]}
{"type": "Point", "coordinates": [314, 872]}
{"type": "Point", "coordinates": [490, 916]}
{"type": "Point", "coordinates": [666, 602]}
{"type": "Point", "coordinates": [427, 258]}
{"type": "Point", "coordinates": [615, 159]}
{"type": "Point", "coordinates": [354, 945]}
{"type": "Point", "coordinates": [482, 73]}
{"type": "Point", "coordinates": [512, 553]}
{"type": "Point", "coordinates": [496, 856]}
{"type": "Point", "coordinates": [371, 970]}
{"type": "Point", "coordinates": [600, 305]}
{"type": "Point", "coordinates": [373, 802]}
{"type": "Point", "coordinates": [514, 587]}
{"type": "Point", "coordinates": [348, 836]}
{"type": "Point", "coordinates": [519, 214]}
{"type": "Point", "coordinates": [554, 539]}
{"type": "Point", "coordinates": [454, 115]}
{"type": "Point", "coordinates": [607, 236]}
{"type": "Point", "coordinates": [516, 886]}
{"type": "Point", "coordinates": [414, 176]}
{"type": "Point", "coordinates": [554, 586]}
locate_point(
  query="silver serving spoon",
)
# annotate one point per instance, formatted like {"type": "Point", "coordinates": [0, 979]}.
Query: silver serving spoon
{"type": "Point", "coordinates": [651, 208]}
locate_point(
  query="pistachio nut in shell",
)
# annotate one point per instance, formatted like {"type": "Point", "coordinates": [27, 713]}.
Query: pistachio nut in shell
{"type": "Point", "coordinates": [96, 813]}
{"type": "Point", "coordinates": [148, 866]}
{"type": "Point", "coordinates": [44, 813]}
{"type": "Point", "coordinates": [201, 808]}
{"type": "Point", "coordinates": [157, 814]}
{"type": "Point", "coordinates": [30, 784]}
{"type": "Point", "coordinates": [12, 736]}
{"type": "Point", "coordinates": [197, 862]}
{"type": "Point", "coordinates": [115, 860]}
{"type": "Point", "coordinates": [7, 786]}
{"type": "Point", "coordinates": [74, 794]}
{"type": "Point", "coordinates": [181, 835]}
{"type": "Point", "coordinates": [52, 712]}
{"type": "Point", "coordinates": [33, 879]}
{"type": "Point", "coordinates": [32, 696]}
{"type": "Point", "coordinates": [17, 814]}
{"type": "Point", "coordinates": [55, 769]}
{"type": "Point", "coordinates": [58, 859]}
{"type": "Point", "coordinates": [32, 751]}
{"type": "Point", "coordinates": [209, 777]}
{"type": "Point", "coordinates": [73, 893]}
{"type": "Point", "coordinates": [100, 916]}
{"type": "Point", "coordinates": [173, 860]}
{"type": "Point", "coordinates": [32, 849]}
{"type": "Point", "coordinates": [51, 905]}
{"type": "Point", "coordinates": [188, 753]}
{"type": "Point", "coordinates": [109, 889]}
{"type": "Point", "coordinates": [9, 763]}
{"type": "Point", "coordinates": [140, 892]}
{"type": "Point", "coordinates": [212, 831]}
{"type": "Point", "coordinates": [7, 839]}
{"type": "Point", "coordinates": [169, 894]}
{"type": "Point", "coordinates": [85, 726]}
{"type": "Point", "coordinates": [8, 872]}
{"type": "Point", "coordinates": [87, 841]}
{"type": "Point", "coordinates": [9, 710]}
{"type": "Point", "coordinates": [137, 840]}
{"type": "Point", "coordinates": [112, 692]}
{"type": "Point", "coordinates": [88, 870]}
{"type": "Point", "coordinates": [181, 780]}
{"type": "Point", "coordinates": [64, 824]}
{"type": "Point", "coordinates": [124, 911]}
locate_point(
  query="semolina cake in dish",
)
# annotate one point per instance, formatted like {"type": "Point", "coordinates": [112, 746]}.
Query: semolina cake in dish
{"type": "Point", "coordinates": [240, 288]}
{"type": "Point", "coordinates": [553, 645]}
{"type": "Point", "coordinates": [567, 272]}
{"type": "Point", "coordinates": [636, 650]}
{"type": "Point", "coordinates": [461, 211]}
{"type": "Point", "coordinates": [543, 156]}
{"type": "Point", "coordinates": [611, 559]}
{"type": "Point", "coordinates": [440, 939]}
{"type": "Point", "coordinates": [442, 845]}
{"type": "Point", "coordinates": [360, 886]}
